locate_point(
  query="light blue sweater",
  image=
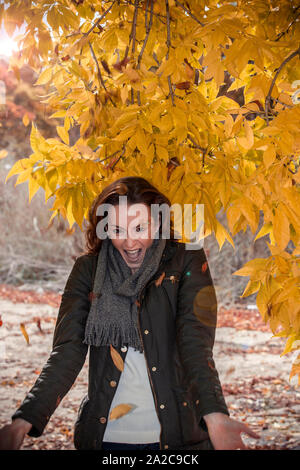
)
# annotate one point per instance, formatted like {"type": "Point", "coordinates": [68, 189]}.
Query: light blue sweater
{"type": "Point", "coordinates": [141, 425]}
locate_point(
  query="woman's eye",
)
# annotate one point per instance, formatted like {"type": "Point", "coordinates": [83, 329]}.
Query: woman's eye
{"type": "Point", "coordinates": [139, 229]}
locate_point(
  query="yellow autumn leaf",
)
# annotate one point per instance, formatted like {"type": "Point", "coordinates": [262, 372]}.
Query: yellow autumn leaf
{"type": "Point", "coordinates": [162, 153]}
{"type": "Point", "coordinates": [3, 154]}
{"type": "Point", "coordinates": [269, 156]}
{"type": "Point", "coordinates": [149, 155]}
{"type": "Point", "coordinates": [68, 207]}
{"type": "Point", "coordinates": [265, 229]}
{"type": "Point", "coordinates": [63, 134]}
{"type": "Point", "coordinates": [124, 94]}
{"type": "Point", "coordinates": [33, 186]}
{"type": "Point", "coordinates": [262, 302]}
{"type": "Point", "coordinates": [117, 359]}
{"type": "Point", "coordinates": [295, 369]}
{"type": "Point", "coordinates": [26, 120]}
{"type": "Point", "coordinates": [45, 77]}
{"type": "Point", "coordinates": [247, 141]}
{"type": "Point", "coordinates": [23, 176]}
{"type": "Point", "coordinates": [228, 125]}
{"type": "Point", "coordinates": [24, 332]}
{"type": "Point", "coordinates": [252, 267]}
{"type": "Point", "coordinates": [250, 212]}
{"type": "Point", "coordinates": [77, 205]}
{"type": "Point", "coordinates": [251, 288]}
{"type": "Point", "coordinates": [292, 343]}
{"type": "Point", "coordinates": [167, 67]}
{"type": "Point", "coordinates": [222, 235]}
{"type": "Point", "coordinates": [281, 227]}
{"type": "Point", "coordinates": [119, 411]}
{"type": "Point", "coordinates": [214, 67]}
{"type": "Point", "coordinates": [141, 140]}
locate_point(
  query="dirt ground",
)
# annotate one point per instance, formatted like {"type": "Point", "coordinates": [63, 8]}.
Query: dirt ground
{"type": "Point", "coordinates": [254, 378]}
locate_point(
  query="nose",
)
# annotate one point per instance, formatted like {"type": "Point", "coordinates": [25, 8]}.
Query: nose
{"type": "Point", "coordinates": [130, 243]}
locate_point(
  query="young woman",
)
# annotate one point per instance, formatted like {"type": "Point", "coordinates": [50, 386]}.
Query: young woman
{"type": "Point", "coordinates": [146, 309]}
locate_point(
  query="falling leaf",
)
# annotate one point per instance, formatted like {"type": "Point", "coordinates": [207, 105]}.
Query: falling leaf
{"type": "Point", "coordinates": [3, 153]}
{"type": "Point", "coordinates": [160, 279]}
{"type": "Point", "coordinates": [230, 370]}
{"type": "Point", "coordinates": [119, 410]}
{"type": "Point", "coordinates": [204, 267]}
{"type": "Point", "coordinates": [26, 120]}
{"type": "Point", "coordinates": [93, 295]}
{"type": "Point", "coordinates": [38, 323]}
{"type": "Point", "coordinates": [117, 359]}
{"type": "Point", "coordinates": [25, 334]}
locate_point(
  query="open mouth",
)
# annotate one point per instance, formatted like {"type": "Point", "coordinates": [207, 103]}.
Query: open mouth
{"type": "Point", "coordinates": [133, 255]}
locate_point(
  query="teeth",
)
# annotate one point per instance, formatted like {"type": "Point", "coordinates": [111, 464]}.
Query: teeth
{"type": "Point", "coordinates": [132, 252]}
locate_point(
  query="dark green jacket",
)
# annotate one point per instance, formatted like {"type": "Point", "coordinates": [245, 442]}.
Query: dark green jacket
{"type": "Point", "coordinates": [177, 320]}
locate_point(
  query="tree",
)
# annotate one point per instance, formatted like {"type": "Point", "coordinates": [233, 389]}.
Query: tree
{"type": "Point", "coordinates": [200, 97]}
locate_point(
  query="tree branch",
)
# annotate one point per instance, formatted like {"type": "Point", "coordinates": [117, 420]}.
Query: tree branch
{"type": "Point", "coordinates": [196, 145]}
{"type": "Point", "coordinates": [99, 74]}
{"type": "Point", "coordinates": [109, 156]}
{"type": "Point", "coordinates": [133, 30]}
{"type": "Point", "coordinates": [148, 29]}
{"type": "Point", "coordinates": [114, 164]}
{"type": "Point", "coordinates": [268, 97]}
{"type": "Point", "coordinates": [289, 26]}
{"type": "Point", "coordinates": [188, 12]}
{"type": "Point", "coordinates": [169, 45]}
{"type": "Point", "coordinates": [100, 19]}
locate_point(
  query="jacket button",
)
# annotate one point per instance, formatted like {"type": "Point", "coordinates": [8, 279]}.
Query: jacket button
{"type": "Point", "coordinates": [184, 403]}
{"type": "Point", "coordinates": [102, 420]}
{"type": "Point", "coordinates": [124, 348]}
{"type": "Point", "coordinates": [162, 406]}
{"type": "Point", "coordinates": [112, 383]}
{"type": "Point", "coordinates": [154, 369]}
{"type": "Point", "coordinates": [146, 332]}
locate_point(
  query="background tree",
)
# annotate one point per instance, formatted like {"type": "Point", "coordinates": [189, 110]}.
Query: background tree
{"type": "Point", "coordinates": [199, 97]}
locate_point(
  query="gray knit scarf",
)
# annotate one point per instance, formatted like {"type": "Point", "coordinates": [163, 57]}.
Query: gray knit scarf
{"type": "Point", "coordinates": [112, 317]}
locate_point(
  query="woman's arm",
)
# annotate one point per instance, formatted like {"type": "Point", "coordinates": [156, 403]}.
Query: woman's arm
{"type": "Point", "coordinates": [195, 325]}
{"type": "Point", "coordinates": [68, 351]}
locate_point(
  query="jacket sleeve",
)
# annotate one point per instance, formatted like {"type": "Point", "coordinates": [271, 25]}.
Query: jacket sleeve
{"type": "Point", "coordinates": [196, 321]}
{"type": "Point", "coordinates": [68, 351]}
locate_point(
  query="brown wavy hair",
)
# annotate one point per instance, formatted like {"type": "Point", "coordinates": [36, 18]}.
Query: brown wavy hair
{"type": "Point", "coordinates": [137, 190]}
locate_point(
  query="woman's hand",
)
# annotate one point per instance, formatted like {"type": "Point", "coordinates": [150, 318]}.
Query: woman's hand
{"type": "Point", "coordinates": [12, 435]}
{"type": "Point", "coordinates": [225, 432]}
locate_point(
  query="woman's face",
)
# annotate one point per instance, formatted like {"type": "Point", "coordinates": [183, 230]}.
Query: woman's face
{"type": "Point", "coordinates": [129, 228]}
